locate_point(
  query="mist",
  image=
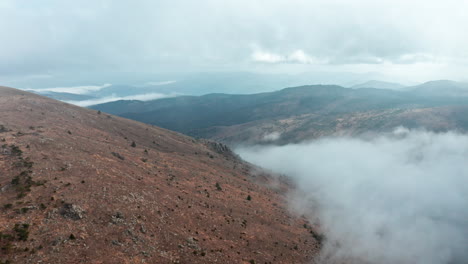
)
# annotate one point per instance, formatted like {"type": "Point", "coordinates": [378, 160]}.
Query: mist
{"type": "Point", "coordinates": [74, 89]}
{"type": "Point", "coordinates": [107, 99]}
{"type": "Point", "coordinates": [400, 197]}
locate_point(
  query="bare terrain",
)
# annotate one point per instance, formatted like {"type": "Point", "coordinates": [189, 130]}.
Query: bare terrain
{"type": "Point", "coordinates": [81, 186]}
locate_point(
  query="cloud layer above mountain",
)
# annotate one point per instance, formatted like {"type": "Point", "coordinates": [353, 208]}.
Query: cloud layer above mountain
{"type": "Point", "coordinates": [421, 39]}
{"type": "Point", "coordinates": [75, 89]}
{"type": "Point", "coordinates": [394, 198]}
{"type": "Point", "coordinates": [107, 99]}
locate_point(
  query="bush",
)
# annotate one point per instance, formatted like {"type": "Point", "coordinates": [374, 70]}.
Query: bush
{"type": "Point", "coordinates": [117, 155]}
{"type": "Point", "coordinates": [22, 231]}
{"type": "Point", "coordinates": [16, 151]}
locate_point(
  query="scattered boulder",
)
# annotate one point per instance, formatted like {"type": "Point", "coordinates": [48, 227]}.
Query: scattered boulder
{"type": "Point", "coordinates": [72, 211]}
{"type": "Point", "coordinates": [117, 218]}
{"type": "Point", "coordinates": [192, 243]}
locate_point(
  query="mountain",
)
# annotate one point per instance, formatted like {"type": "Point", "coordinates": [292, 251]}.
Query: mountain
{"type": "Point", "coordinates": [378, 85]}
{"type": "Point", "coordinates": [81, 186]}
{"type": "Point", "coordinates": [296, 114]}
{"type": "Point", "coordinates": [143, 86]}
{"type": "Point", "coordinates": [440, 88]}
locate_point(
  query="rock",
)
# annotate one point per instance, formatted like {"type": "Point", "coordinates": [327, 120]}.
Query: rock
{"type": "Point", "coordinates": [72, 211]}
{"type": "Point", "coordinates": [192, 243]}
{"type": "Point", "coordinates": [117, 218]}
{"type": "Point", "coordinates": [116, 243]}
{"type": "Point", "coordinates": [51, 214]}
{"type": "Point", "coordinates": [143, 229]}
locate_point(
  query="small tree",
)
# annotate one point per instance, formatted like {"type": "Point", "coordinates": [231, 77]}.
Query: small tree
{"type": "Point", "coordinates": [133, 144]}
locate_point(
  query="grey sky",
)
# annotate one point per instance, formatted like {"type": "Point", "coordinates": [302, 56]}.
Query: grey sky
{"type": "Point", "coordinates": [406, 40]}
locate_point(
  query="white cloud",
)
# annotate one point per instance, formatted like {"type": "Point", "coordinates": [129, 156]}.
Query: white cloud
{"type": "Point", "coordinates": [299, 56]}
{"type": "Point", "coordinates": [295, 57]}
{"type": "Point", "coordinates": [75, 89]}
{"type": "Point", "coordinates": [140, 97]}
{"type": "Point", "coordinates": [271, 136]}
{"type": "Point", "coordinates": [266, 57]}
{"type": "Point", "coordinates": [159, 83]}
{"type": "Point", "coordinates": [396, 198]}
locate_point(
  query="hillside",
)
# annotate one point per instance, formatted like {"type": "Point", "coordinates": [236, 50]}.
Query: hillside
{"type": "Point", "coordinates": [299, 113]}
{"type": "Point", "coordinates": [81, 186]}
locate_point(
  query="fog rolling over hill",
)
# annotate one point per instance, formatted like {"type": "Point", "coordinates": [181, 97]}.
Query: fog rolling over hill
{"type": "Point", "coordinates": [383, 172]}
{"type": "Point", "coordinates": [306, 112]}
{"type": "Point", "coordinates": [81, 186]}
{"type": "Point", "coordinates": [234, 131]}
{"type": "Point", "coordinates": [399, 197]}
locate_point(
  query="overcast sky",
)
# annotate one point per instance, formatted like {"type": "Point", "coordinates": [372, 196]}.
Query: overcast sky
{"type": "Point", "coordinates": [414, 40]}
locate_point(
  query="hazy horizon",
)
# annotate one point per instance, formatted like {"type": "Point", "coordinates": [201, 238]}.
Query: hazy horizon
{"type": "Point", "coordinates": [63, 43]}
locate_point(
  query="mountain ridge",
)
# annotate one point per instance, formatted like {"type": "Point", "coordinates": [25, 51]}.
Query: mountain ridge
{"type": "Point", "coordinates": [297, 113]}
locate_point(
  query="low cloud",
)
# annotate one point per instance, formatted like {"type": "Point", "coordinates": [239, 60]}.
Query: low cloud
{"type": "Point", "coordinates": [393, 198]}
{"type": "Point", "coordinates": [271, 136]}
{"type": "Point", "coordinates": [140, 97]}
{"type": "Point", "coordinates": [75, 89]}
{"type": "Point", "coordinates": [159, 83]}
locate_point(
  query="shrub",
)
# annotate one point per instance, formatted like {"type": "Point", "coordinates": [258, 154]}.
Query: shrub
{"type": "Point", "coordinates": [22, 231]}
{"type": "Point", "coordinates": [117, 155]}
{"type": "Point", "coordinates": [16, 151]}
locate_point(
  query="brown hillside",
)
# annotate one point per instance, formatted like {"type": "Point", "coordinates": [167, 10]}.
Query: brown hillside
{"type": "Point", "coordinates": [75, 189]}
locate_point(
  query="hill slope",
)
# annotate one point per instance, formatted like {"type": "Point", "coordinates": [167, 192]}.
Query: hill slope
{"type": "Point", "coordinates": [296, 114]}
{"type": "Point", "coordinates": [78, 186]}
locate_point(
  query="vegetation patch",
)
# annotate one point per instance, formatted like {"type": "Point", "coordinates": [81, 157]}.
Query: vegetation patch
{"type": "Point", "coordinates": [117, 155]}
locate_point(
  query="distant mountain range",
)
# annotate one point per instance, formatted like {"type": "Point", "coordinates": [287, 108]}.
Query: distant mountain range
{"type": "Point", "coordinates": [187, 84]}
{"type": "Point", "coordinates": [305, 112]}
{"type": "Point", "coordinates": [379, 85]}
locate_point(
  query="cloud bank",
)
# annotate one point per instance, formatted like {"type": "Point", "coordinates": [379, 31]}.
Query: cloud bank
{"type": "Point", "coordinates": [394, 198]}
{"type": "Point", "coordinates": [79, 38]}
{"type": "Point", "coordinates": [82, 90]}
{"type": "Point", "coordinates": [140, 97]}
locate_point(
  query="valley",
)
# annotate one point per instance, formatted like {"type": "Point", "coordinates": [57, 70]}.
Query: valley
{"type": "Point", "coordinates": [304, 113]}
